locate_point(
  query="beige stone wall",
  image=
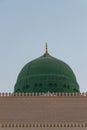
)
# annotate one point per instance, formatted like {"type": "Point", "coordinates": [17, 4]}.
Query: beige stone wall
{"type": "Point", "coordinates": [43, 109]}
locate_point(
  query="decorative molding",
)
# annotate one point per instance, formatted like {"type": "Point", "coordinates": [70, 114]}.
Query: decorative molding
{"type": "Point", "coordinates": [12, 125]}
{"type": "Point", "coordinates": [73, 94]}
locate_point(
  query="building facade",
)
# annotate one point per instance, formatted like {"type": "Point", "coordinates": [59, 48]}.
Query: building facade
{"type": "Point", "coordinates": [46, 97]}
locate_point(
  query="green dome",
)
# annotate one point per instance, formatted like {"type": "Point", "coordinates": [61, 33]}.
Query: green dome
{"type": "Point", "coordinates": [46, 74]}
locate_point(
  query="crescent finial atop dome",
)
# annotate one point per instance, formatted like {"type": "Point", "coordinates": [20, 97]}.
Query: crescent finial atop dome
{"type": "Point", "coordinates": [46, 48]}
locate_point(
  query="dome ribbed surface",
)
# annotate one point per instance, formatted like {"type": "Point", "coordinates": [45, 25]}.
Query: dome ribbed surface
{"type": "Point", "coordinates": [46, 74]}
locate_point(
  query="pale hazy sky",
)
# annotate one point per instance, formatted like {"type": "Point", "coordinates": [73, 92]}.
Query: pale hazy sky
{"type": "Point", "coordinates": [25, 26]}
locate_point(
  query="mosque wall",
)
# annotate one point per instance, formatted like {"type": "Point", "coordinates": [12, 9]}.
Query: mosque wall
{"type": "Point", "coordinates": [43, 109]}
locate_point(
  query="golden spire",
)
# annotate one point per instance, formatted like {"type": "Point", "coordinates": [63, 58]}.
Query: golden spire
{"type": "Point", "coordinates": [46, 48]}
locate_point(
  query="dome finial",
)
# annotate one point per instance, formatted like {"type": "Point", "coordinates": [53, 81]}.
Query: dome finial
{"type": "Point", "coordinates": [46, 48]}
